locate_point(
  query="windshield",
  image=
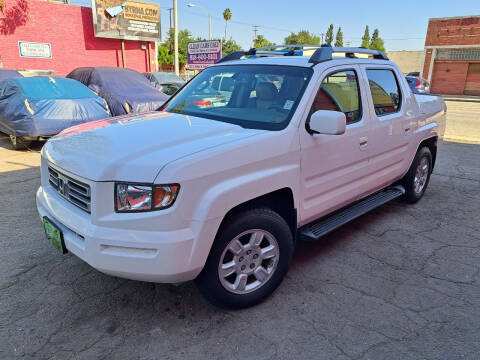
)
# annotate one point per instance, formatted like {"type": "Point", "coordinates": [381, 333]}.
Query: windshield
{"type": "Point", "coordinates": [252, 96]}
{"type": "Point", "coordinates": [167, 77]}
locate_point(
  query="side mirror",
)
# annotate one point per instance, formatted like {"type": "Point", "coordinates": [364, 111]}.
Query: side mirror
{"type": "Point", "coordinates": [328, 122]}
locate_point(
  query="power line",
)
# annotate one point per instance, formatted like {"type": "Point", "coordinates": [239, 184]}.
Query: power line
{"type": "Point", "coordinates": [293, 31]}
{"type": "Point", "coordinates": [389, 39]}
{"type": "Point", "coordinates": [240, 22]}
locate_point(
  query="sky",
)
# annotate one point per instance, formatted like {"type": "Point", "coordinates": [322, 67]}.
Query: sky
{"type": "Point", "coordinates": [402, 24]}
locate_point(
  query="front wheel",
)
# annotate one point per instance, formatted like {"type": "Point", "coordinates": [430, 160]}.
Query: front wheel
{"type": "Point", "coordinates": [418, 176]}
{"type": "Point", "coordinates": [248, 260]}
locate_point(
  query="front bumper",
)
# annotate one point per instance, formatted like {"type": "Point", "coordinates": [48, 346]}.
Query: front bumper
{"type": "Point", "coordinates": [166, 256]}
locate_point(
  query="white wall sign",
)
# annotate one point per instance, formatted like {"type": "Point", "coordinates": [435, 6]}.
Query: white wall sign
{"type": "Point", "coordinates": [35, 50]}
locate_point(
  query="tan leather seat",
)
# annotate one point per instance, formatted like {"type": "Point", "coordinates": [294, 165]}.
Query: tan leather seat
{"type": "Point", "coordinates": [266, 94]}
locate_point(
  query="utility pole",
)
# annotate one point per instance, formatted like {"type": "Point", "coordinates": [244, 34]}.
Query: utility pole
{"type": "Point", "coordinates": [170, 30]}
{"type": "Point", "coordinates": [321, 37]}
{"type": "Point", "coordinates": [175, 37]}
{"type": "Point", "coordinates": [255, 30]}
{"type": "Point", "coordinates": [170, 17]}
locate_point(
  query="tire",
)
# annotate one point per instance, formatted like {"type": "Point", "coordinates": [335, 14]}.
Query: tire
{"type": "Point", "coordinates": [261, 275]}
{"type": "Point", "coordinates": [18, 142]}
{"type": "Point", "coordinates": [417, 178]}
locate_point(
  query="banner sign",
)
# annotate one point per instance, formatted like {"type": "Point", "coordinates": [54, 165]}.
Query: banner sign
{"type": "Point", "coordinates": [201, 54]}
{"type": "Point", "coordinates": [129, 20]}
{"type": "Point", "coordinates": [35, 50]}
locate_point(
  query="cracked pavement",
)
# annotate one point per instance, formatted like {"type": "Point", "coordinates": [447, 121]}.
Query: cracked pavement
{"type": "Point", "coordinates": [401, 282]}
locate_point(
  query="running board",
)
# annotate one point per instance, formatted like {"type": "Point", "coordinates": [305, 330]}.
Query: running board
{"type": "Point", "coordinates": [322, 226]}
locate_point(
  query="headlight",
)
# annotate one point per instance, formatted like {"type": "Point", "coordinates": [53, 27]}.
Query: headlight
{"type": "Point", "coordinates": [133, 197]}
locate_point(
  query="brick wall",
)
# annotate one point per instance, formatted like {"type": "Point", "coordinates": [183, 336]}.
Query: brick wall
{"type": "Point", "coordinates": [454, 31]}
{"type": "Point", "coordinates": [69, 30]}
{"type": "Point", "coordinates": [461, 33]}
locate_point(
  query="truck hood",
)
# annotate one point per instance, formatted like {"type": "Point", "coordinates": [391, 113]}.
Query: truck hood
{"type": "Point", "coordinates": [135, 148]}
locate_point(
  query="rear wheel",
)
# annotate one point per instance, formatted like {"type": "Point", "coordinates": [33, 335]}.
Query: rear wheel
{"type": "Point", "coordinates": [18, 142]}
{"type": "Point", "coordinates": [418, 176]}
{"type": "Point", "coordinates": [248, 260]}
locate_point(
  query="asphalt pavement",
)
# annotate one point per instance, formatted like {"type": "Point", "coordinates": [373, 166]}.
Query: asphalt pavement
{"type": "Point", "coordinates": [401, 282]}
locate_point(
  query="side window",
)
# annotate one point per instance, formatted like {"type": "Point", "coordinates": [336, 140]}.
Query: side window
{"type": "Point", "coordinates": [385, 91]}
{"type": "Point", "coordinates": [340, 92]}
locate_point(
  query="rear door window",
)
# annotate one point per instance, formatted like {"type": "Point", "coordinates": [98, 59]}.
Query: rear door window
{"type": "Point", "coordinates": [385, 91]}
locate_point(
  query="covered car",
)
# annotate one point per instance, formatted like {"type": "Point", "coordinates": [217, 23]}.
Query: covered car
{"type": "Point", "coordinates": [38, 107]}
{"type": "Point", "coordinates": [9, 74]}
{"type": "Point", "coordinates": [125, 90]}
{"type": "Point", "coordinates": [166, 82]}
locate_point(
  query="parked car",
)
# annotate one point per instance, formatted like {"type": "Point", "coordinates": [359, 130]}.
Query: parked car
{"type": "Point", "coordinates": [221, 194]}
{"type": "Point", "coordinates": [35, 108]}
{"type": "Point", "coordinates": [125, 90]}
{"type": "Point", "coordinates": [9, 74]}
{"type": "Point", "coordinates": [166, 82]}
{"type": "Point", "coordinates": [418, 85]}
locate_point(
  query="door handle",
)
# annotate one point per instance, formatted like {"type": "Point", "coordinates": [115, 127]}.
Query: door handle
{"type": "Point", "coordinates": [363, 143]}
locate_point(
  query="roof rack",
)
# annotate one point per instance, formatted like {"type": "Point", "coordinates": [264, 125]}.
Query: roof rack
{"type": "Point", "coordinates": [322, 52]}
{"type": "Point", "coordinates": [325, 53]}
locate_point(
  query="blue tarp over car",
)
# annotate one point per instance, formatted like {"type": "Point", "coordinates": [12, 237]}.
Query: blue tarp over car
{"type": "Point", "coordinates": [8, 74]}
{"type": "Point", "coordinates": [125, 90]}
{"type": "Point", "coordinates": [44, 106]}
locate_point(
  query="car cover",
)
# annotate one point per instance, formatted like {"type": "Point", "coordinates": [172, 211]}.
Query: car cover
{"type": "Point", "coordinates": [44, 106]}
{"type": "Point", "coordinates": [8, 74]}
{"type": "Point", "coordinates": [125, 90]}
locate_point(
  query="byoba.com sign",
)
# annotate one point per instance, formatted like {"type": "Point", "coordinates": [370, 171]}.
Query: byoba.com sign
{"type": "Point", "coordinates": [201, 54]}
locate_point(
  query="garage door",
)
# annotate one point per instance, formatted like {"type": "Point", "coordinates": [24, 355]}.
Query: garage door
{"type": "Point", "coordinates": [472, 83]}
{"type": "Point", "coordinates": [448, 77]}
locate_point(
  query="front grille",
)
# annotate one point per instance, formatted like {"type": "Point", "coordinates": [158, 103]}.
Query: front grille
{"type": "Point", "coordinates": [77, 192]}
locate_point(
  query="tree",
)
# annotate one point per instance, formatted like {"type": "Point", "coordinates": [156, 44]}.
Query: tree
{"type": "Point", "coordinates": [227, 16]}
{"type": "Point", "coordinates": [261, 41]}
{"type": "Point", "coordinates": [164, 50]}
{"type": "Point", "coordinates": [13, 16]}
{"type": "Point", "coordinates": [376, 43]}
{"type": "Point", "coordinates": [164, 56]}
{"type": "Point", "coordinates": [302, 37]}
{"type": "Point", "coordinates": [339, 38]}
{"type": "Point", "coordinates": [229, 46]}
{"type": "Point", "coordinates": [366, 38]}
{"type": "Point", "coordinates": [329, 36]}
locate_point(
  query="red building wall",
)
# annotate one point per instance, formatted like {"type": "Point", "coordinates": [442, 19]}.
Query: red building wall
{"type": "Point", "coordinates": [448, 76]}
{"type": "Point", "coordinates": [69, 30]}
{"type": "Point", "coordinates": [453, 31]}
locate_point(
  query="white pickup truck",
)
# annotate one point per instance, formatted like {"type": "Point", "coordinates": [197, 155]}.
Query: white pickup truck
{"type": "Point", "coordinates": [219, 184]}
